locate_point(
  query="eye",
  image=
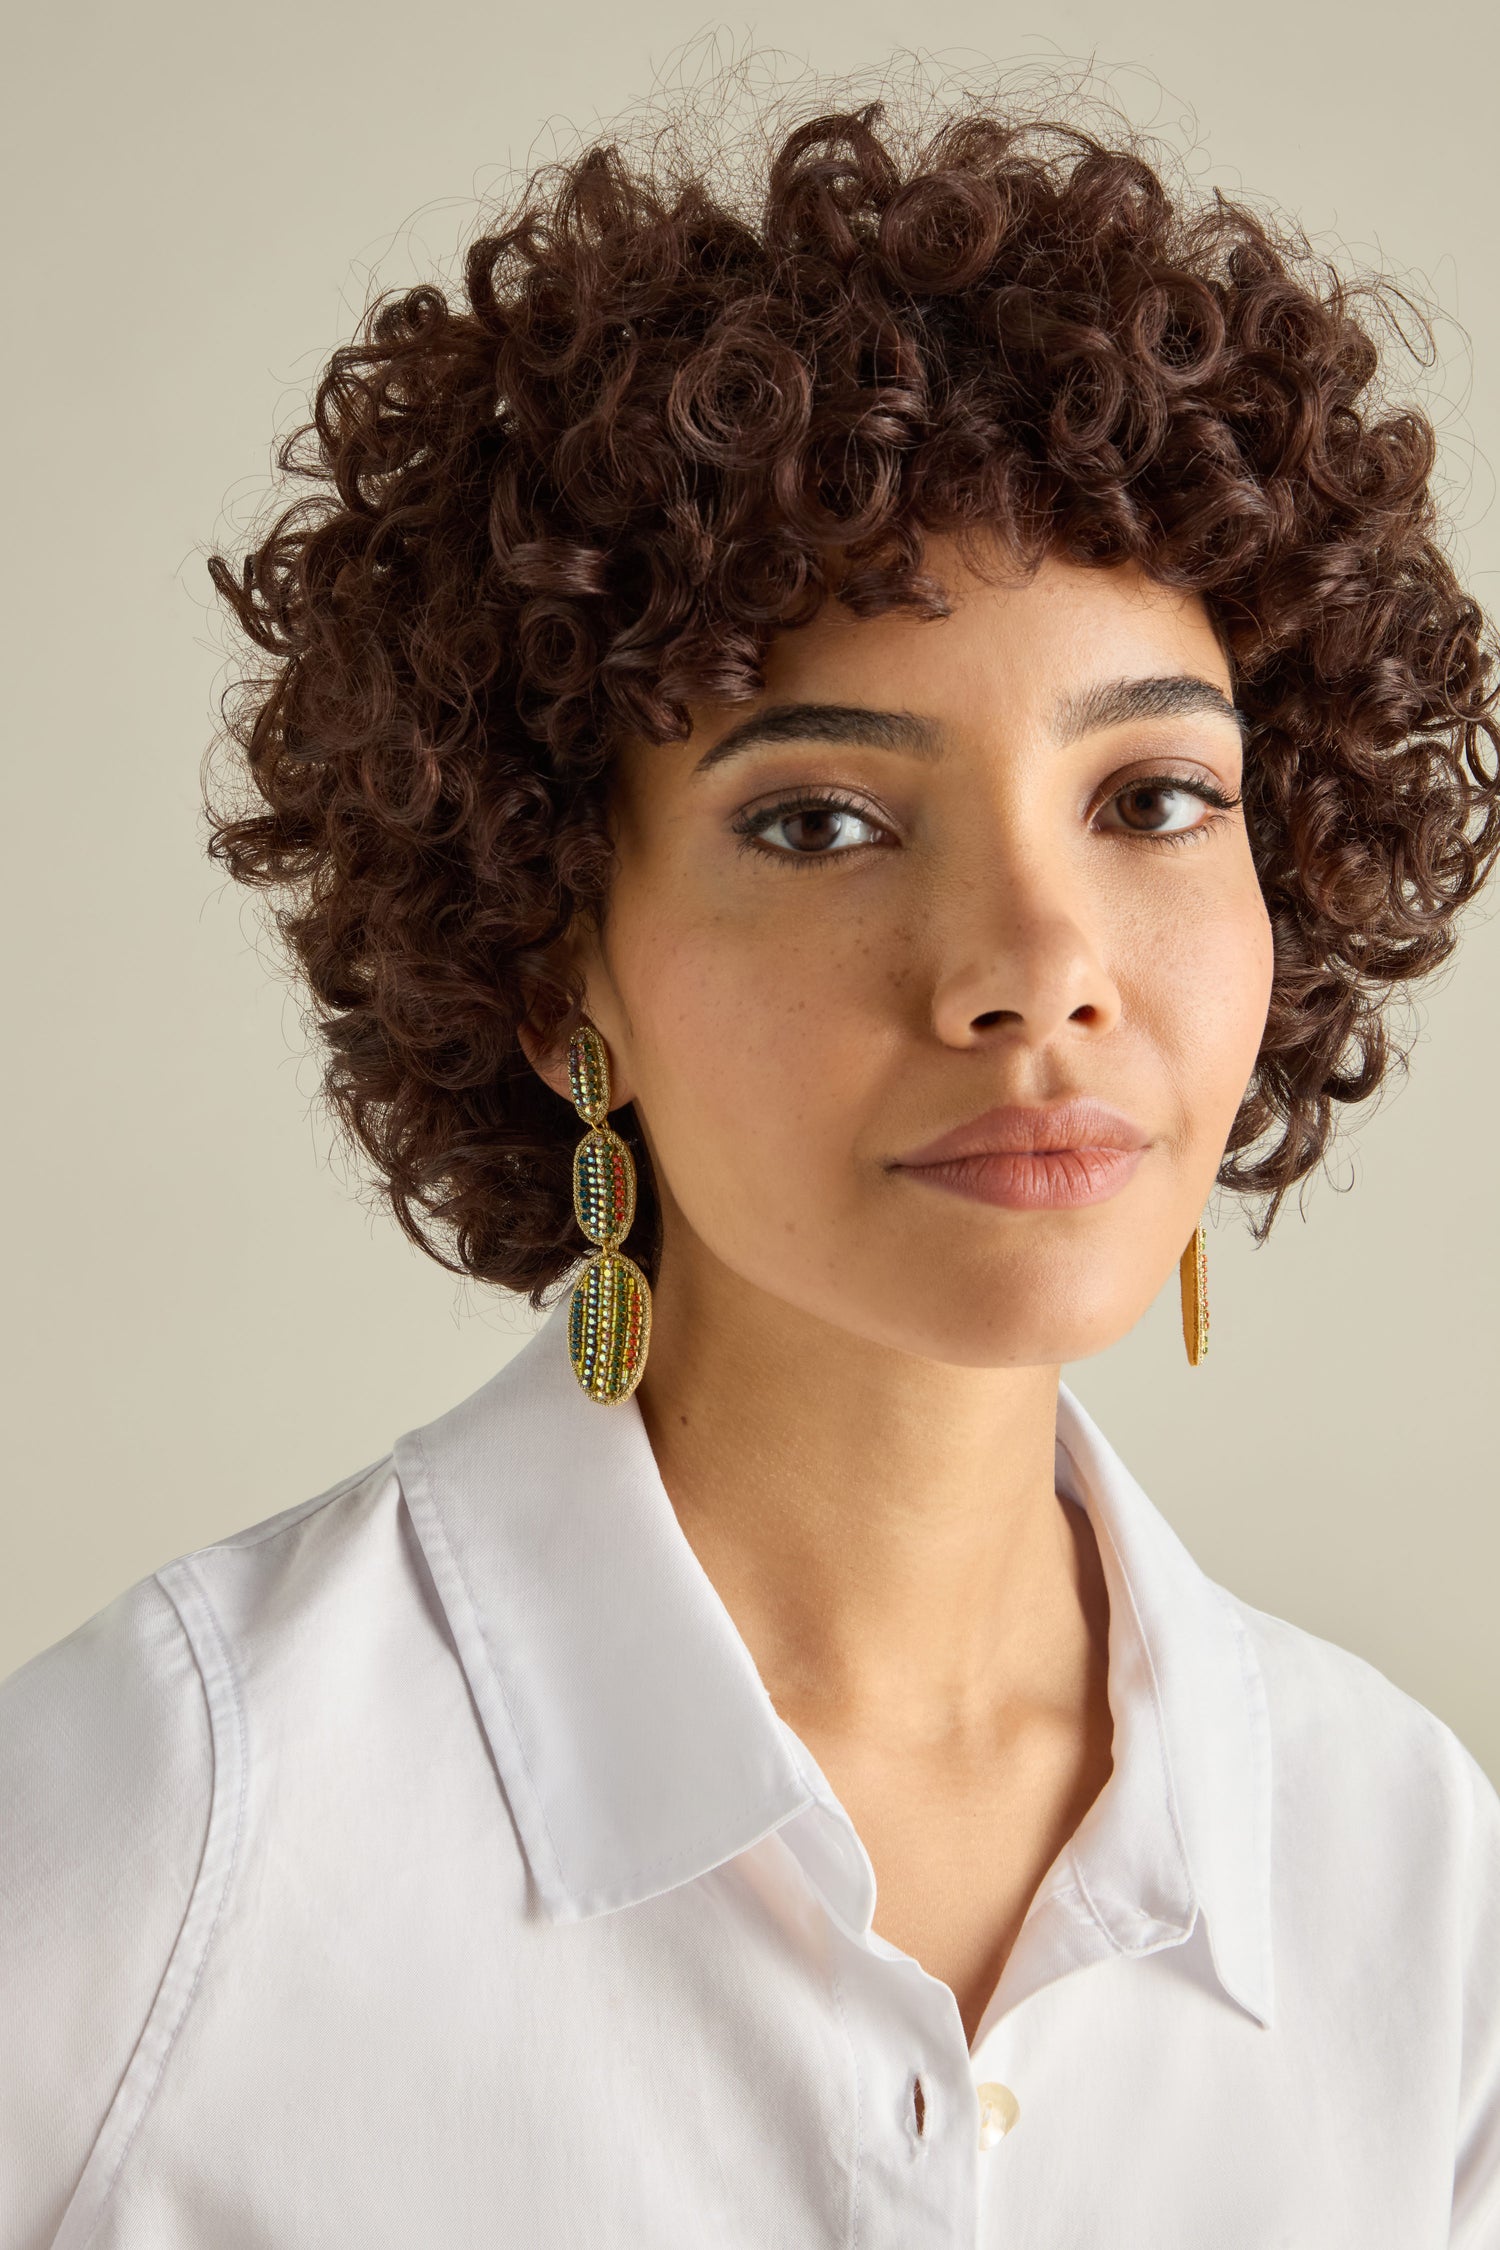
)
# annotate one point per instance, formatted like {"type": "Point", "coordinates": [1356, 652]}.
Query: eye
{"type": "Point", "coordinates": [811, 825]}
{"type": "Point", "coordinates": [1165, 805]}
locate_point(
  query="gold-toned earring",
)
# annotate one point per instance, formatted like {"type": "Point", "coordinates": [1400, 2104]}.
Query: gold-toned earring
{"type": "Point", "coordinates": [1193, 1274]}
{"type": "Point", "coordinates": [609, 1314]}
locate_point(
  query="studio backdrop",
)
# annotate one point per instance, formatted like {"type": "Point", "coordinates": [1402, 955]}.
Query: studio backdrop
{"type": "Point", "coordinates": [209, 1318]}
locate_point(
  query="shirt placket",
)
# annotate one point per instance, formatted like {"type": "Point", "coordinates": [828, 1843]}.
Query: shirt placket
{"type": "Point", "coordinates": [932, 2118]}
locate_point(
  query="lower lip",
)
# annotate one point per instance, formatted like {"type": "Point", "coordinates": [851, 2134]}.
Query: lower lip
{"type": "Point", "coordinates": [1035, 1180]}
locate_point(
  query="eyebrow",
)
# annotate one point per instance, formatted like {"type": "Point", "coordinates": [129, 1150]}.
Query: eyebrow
{"type": "Point", "coordinates": [849, 723]}
{"type": "Point", "coordinates": [1108, 703]}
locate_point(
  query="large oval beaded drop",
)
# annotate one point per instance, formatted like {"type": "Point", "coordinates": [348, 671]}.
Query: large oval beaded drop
{"type": "Point", "coordinates": [609, 1326]}
{"type": "Point", "coordinates": [609, 1314]}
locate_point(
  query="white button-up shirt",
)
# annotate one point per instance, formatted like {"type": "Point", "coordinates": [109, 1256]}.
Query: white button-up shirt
{"type": "Point", "coordinates": [430, 1866]}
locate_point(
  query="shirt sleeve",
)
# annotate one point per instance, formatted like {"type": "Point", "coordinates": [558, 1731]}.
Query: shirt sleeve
{"type": "Point", "coordinates": [106, 1778]}
{"type": "Point", "coordinates": [1476, 2180]}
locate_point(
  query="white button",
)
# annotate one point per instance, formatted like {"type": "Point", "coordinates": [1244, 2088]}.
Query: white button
{"type": "Point", "coordinates": [998, 2111]}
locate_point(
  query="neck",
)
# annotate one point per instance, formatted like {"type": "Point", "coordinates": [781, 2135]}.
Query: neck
{"type": "Point", "coordinates": [883, 1529]}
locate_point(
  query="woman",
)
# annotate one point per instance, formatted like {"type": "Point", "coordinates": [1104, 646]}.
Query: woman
{"type": "Point", "coordinates": [936, 709]}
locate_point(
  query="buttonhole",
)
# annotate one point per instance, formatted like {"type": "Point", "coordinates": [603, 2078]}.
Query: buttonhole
{"type": "Point", "coordinates": [919, 2106]}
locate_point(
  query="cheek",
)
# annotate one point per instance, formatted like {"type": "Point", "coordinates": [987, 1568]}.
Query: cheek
{"type": "Point", "coordinates": [750, 1045]}
{"type": "Point", "coordinates": [1207, 995]}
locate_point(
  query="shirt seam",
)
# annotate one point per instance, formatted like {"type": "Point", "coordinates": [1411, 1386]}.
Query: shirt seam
{"type": "Point", "coordinates": [183, 1589]}
{"type": "Point", "coordinates": [261, 1535]}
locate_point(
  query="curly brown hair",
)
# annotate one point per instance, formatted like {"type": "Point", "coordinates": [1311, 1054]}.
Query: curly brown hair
{"type": "Point", "coordinates": [657, 423]}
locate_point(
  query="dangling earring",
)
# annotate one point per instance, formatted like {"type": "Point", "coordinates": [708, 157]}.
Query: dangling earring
{"type": "Point", "coordinates": [1193, 1273]}
{"type": "Point", "coordinates": [609, 1314]}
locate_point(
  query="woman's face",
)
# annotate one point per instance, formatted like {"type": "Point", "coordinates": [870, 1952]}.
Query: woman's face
{"type": "Point", "coordinates": [936, 872]}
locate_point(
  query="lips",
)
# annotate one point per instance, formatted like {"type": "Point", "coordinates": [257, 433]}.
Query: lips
{"type": "Point", "coordinates": [1042, 1131]}
{"type": "Point", "coordinates": [1054, 1157]}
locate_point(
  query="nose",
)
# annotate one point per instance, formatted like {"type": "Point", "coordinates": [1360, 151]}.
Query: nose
{"type": "Point", "coordinates": [1021, 963]}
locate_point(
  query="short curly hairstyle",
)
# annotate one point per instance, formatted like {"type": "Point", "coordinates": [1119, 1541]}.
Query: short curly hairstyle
{"type": "Point", "coordinates": [658, 422]}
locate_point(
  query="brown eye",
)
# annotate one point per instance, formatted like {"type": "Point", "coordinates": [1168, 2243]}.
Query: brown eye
{"type": "Point", "coordinates": [810, 828]}
{"type": "Point", "coordinates": [815, 831]}
{"type": "Point", "coordinates": [1159, 808]}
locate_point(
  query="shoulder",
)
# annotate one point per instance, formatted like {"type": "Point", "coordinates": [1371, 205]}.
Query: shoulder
{"type": "Point", "coordinates": [122, 1777]}
{"type": "Point", "coordinates": [1327, 1702]}
{"type": "Point", "coordinates": [119, 1723]}
{"type": "Point", "coordinates": [1361, 1769]}
{"type": "Point", "coordinates": [138, 1680]}
{"type": "Point", "coordinates": [1388, 1856]}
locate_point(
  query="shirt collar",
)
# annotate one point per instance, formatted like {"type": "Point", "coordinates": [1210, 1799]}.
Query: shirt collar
{"type": "Point", "coordinates": [1184, 1824]}
{"type": "Point", "coordinates": [636, 1742]}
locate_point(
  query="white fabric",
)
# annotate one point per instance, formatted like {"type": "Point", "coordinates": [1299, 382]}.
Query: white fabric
{"type": "Point", "coordinates": [429, 1866]}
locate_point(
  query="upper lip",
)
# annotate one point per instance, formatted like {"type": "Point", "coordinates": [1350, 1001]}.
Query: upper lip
{"type": "Point", "coordinates": [1016, 1129]}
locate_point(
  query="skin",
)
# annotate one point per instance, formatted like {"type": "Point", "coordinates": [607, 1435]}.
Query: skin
{"type": "Point", "coordinates": [852, 1382]}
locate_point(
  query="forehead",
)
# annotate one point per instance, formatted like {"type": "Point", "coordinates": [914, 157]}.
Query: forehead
{"type": "Point", "coordinates": [1009, 644]}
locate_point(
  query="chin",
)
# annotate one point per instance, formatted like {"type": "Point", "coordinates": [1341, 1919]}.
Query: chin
{"type": "Point", "coordinates": [1061, 1309]}
{"type": "Point", "coordinates": [1005, 1330]}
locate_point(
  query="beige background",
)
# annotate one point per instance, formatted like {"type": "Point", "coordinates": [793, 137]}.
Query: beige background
{"type": "Point", "coordinates": [205, 1324]}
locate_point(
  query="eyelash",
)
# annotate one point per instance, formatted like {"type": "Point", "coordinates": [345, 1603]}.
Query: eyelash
{"type": "Point", "coordinates": [1215, 798]}
{"type": "Point", "coordinates": [749, 826]}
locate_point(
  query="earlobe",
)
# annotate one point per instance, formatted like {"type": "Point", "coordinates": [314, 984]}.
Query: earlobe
{"type": "Point", "coordinates": [549, 1060]}
{"type": "Point", "coordinates": [575, 975]}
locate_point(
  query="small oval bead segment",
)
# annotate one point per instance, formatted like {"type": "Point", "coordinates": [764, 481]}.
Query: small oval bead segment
{"type": "Point", "coordinates": [588, 1074]}
{"type": "Point", "coordinates": [604, 1186]}
{"type": "Point", "coordinates": [609, 1326]}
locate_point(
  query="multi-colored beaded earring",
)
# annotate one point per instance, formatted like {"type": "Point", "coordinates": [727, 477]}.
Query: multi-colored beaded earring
{"type": "Point", "coordinates": [609, 1315]}
{"type": "Point", "coordinates": [1193, 1274]}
